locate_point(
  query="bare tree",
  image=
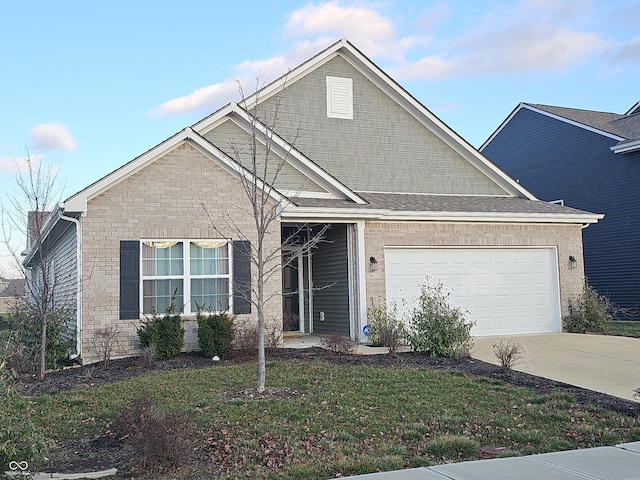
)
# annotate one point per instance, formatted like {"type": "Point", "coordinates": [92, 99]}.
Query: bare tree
{"type": "Point", "coordinates": [262, 159]}
{"type": "Point", "coordinates": [25, 213]}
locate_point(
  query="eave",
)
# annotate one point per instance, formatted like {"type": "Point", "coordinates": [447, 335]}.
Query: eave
{"type": "Point", "coordinates": [314, 214]}
{"type": "Point", "coordinates": [626, 147]}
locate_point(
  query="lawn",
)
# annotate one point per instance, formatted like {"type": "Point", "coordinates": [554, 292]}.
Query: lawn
{"type": "Point", "coordinates": [344, 419]}
{"type": "Point", "coordinates": [624, 328]}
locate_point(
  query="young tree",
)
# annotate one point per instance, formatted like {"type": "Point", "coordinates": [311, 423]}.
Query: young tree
{"type": "Point", "coordinates": [25, 212]}
{"type": "Point", "coordinates": [262, 159]}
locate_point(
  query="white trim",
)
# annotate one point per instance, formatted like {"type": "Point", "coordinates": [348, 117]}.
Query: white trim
{"type": "Point", "coordinates": [626, 147]}
{"type": "Point", "coordinates": [309, 194]}
{"type": "Point", "coordinates": [302, 315]}
{"type": "Point", "coordinates": [310, 284]}
{"type": "Point", "coordinates": [314, 214]}
{"type": "Point", "coordinates": [636, 107]}
{"type": "Point", "coordinates": [361, 265]}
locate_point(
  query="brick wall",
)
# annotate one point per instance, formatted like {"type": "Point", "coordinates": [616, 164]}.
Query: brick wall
{"type": "Point", "coordinates": [164, 200]}
{"type": "Point", "coordinates": [567, 239]}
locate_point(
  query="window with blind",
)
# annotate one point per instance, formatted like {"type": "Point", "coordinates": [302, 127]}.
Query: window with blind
{"type": "Point", "coordinates": [197, 272]}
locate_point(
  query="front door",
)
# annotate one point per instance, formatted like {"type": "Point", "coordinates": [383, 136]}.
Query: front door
{"type": "Point", "coordinates": [291, 291]}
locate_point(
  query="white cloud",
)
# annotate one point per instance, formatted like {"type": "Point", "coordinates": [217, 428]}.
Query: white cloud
{"type": "Point", "coordinates": [208, 98]}
{"type": "Point", "coordinates": [370, 30]}
{"type": "Point", "coordinates": [531, 36]}
{"type": "Point", "coordinates": [510, 38]}
{"type": "Point", "coordinates": [250, 74]}
{"type": "Point", "coordinates": [51, 136]}
{"type": "Point", "coordinates": [13, 165]}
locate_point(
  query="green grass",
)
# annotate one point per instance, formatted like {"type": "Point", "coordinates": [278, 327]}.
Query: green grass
{"type": "Point", "coordinates": [624, 328]}
{"type": "Point", "coordinates": [349, 420]}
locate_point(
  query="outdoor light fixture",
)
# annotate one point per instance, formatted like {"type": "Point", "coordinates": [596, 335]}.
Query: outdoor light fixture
{"type": "Point", "coordinates": [573, 263]}
{"type": "Point", "coordinates": [373, 264]}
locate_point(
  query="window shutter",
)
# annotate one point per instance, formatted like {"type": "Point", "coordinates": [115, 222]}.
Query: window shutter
{"type": "Point", "coordinates": [241, 276]}
{"type": "Point", "coordinates": [129, 279]}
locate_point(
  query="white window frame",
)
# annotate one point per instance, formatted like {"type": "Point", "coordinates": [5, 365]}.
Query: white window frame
{"type": "Point", "coordinates": [186, 276]}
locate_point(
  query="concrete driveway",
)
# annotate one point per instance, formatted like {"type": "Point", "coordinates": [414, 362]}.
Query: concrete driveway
{"type": "Point", "coordinates": [602, 363]}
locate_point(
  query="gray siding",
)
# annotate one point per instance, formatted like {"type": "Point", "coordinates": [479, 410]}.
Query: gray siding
{"type": "Point", "coordinates": [230, 138]}
{"type": "Point", "coordinates": [383, 148]}
{"type": "Point", "coordinates": [330, 278]}
{"type": "Point", "coordinates": [62, 260]}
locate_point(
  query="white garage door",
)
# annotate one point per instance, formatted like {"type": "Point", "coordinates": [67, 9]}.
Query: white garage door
{"type": "Point", "coordinates": [505, 290]}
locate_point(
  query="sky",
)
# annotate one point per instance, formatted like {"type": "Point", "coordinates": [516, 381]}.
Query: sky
{"type": "Point", "coordinates": [88, 86]}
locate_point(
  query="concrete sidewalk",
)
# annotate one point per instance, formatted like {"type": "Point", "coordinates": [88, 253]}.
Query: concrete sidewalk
{"type": "Point", "coordinates": [621, 462]}
{"type": "Point", "coordinates": [602, 363]}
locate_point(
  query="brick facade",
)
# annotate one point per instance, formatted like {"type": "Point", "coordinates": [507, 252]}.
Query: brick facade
{"type": "Point", "coordinates": [567, 239]}
{"type": "Point", "coordinates": [182, 195]}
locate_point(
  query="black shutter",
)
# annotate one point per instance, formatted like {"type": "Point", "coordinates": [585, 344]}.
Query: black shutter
{"type": "Point", "coordinates": [241, 276]}
{"type": "Point", "coordinates": [129, 279]}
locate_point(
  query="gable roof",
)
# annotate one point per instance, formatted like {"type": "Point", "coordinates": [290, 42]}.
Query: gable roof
{"type": "Point", "coordinates": [625, 128]}
{"type": "Point", "coordinates": [403, 98]}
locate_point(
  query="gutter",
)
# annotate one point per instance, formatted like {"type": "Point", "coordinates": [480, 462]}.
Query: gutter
{"type": "Point", "coordinates": [76, 221]}
{"type": "Point", "coordinates": [390, 215]}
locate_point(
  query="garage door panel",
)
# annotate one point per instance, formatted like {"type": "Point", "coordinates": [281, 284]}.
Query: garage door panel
{"type": "Point", "coordinates": [505, 290]}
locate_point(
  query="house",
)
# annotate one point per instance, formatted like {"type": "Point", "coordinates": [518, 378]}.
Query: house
{"type": "Point", "coordinates": [11, 292]}
{"type": "Point", "coordinates": [588, 160]}
{"type": "Point", "coordinates": [400, 194]}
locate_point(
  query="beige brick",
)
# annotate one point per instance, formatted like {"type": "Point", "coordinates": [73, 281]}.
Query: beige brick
{"type": "Point", "coordinates": [161, 201]}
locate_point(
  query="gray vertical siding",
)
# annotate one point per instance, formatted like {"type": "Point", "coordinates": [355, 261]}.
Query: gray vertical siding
{"type": "Point", "coordinates": [330, 278]}
{"type": "Point", "coordinates": [556, 160]}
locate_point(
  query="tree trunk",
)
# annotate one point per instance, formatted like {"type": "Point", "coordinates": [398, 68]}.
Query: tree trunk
{"type": "Point", "coordinates": [42, 366]}
{"type": "Point", "coordinates": [261, 356]}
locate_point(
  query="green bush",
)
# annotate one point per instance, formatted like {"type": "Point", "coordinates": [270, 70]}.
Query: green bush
{"type": "Point", "coordinates": [24, 320]}
{"type": "Point", "coordinates": [385, 328]}
{"type": "Point", "coordinates": [436, 328]}
{"type": "Point", "coordinates": [163, 332]}
{"type": "Point", "coordinates": [590, 312]}
{"type": "Point", "coordinates": [20, 439]}
{"type": "Point", "coordinates": [215, 333]}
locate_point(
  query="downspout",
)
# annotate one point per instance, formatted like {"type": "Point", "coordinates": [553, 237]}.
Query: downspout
{"type": "Point", "coordinates": [78, 282]}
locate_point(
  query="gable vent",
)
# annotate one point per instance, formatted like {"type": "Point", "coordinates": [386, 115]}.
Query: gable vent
{"type": "Point", "coordinates": [339, 97]}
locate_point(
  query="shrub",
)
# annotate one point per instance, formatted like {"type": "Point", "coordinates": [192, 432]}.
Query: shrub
{"type": "Point", "coordinates": [160, 439]}
{"type": "Point", "coordinates": [24, 321]}
{"type": "Point", "coordinates": [215, 333]}
{"type": "Point", "coordinates": [509, 353]}
{"type": "Point", "coordinates": [589, 312]}
{"type": "Point", "coordinates": [20, 439]}
{"type": "Point", "coordinates": [385, 328]}
{"type": "Point", "coordinates": [436, 328]}
{"type": "Point", "coordinates": [164, 332]}
{"type": "Point", "coordinates": [338, 344]}
{"type": "Point", "coordinates": [103, 342]}
{"type": "Point", "coordinates": [245, 338]}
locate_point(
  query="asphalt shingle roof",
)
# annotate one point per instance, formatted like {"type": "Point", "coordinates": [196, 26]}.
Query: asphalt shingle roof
{"type": "Point", "coordinates": [408, 202]}
{"type": "Point", "coordinates": [625, 126]}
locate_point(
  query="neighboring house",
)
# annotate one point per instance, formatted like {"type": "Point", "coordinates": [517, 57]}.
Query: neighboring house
{"type": "Point", "coordinates": [403, 194]}
{"type": "Point", "coordinates": [11, 292]}
{"type": "Point", "coordinates": [589, 160]}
